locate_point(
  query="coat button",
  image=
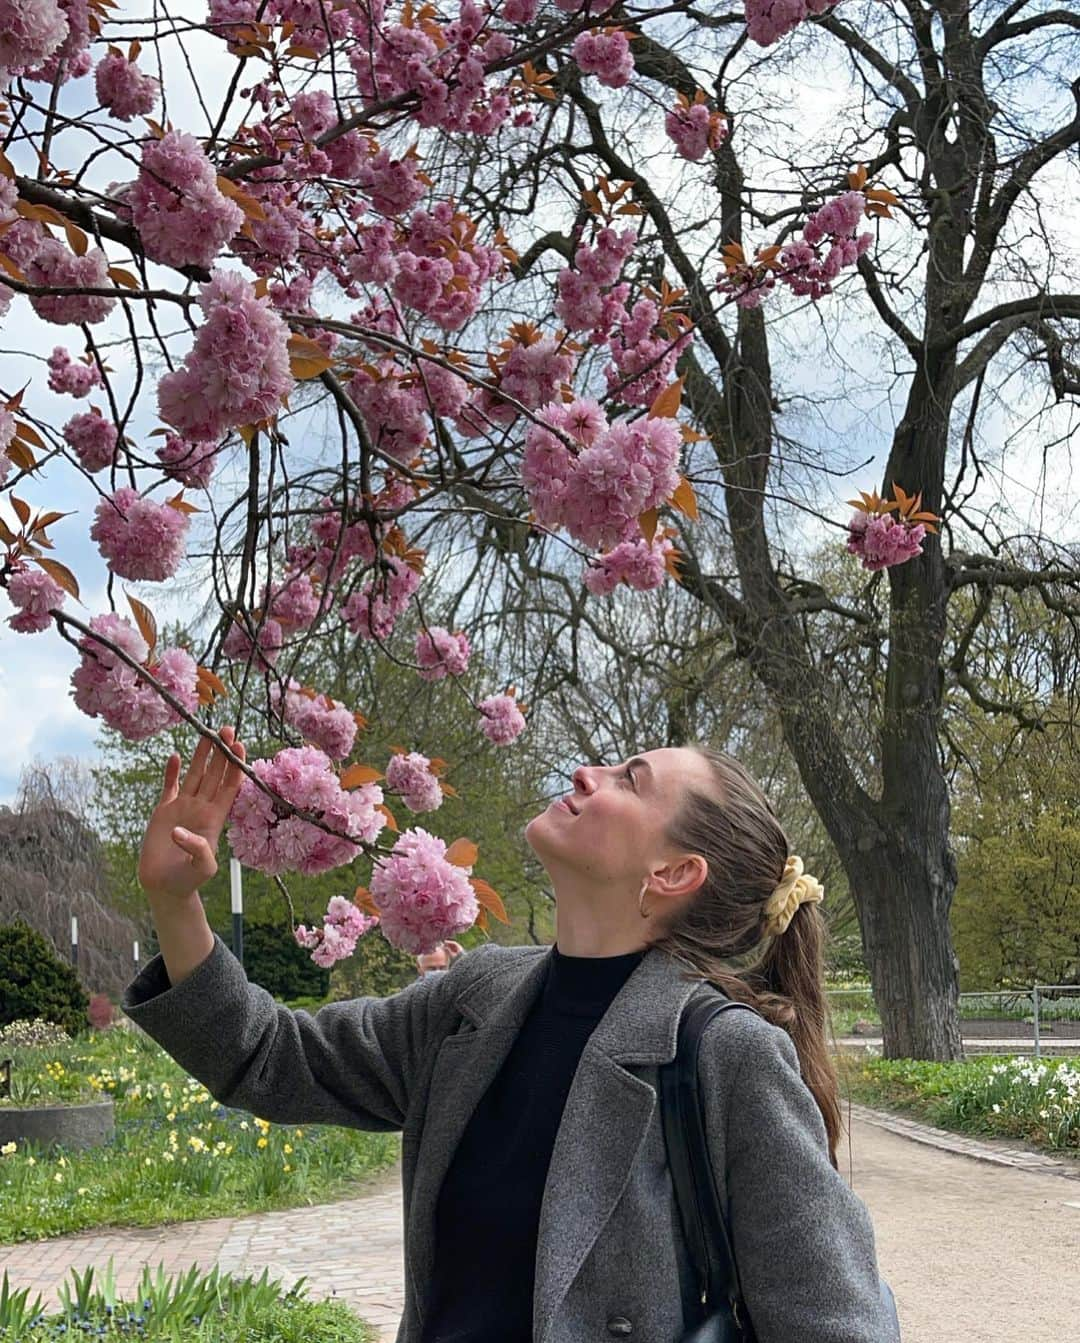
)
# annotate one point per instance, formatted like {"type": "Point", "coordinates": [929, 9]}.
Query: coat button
{"type": "Point", "coordinates": [620, 1326]}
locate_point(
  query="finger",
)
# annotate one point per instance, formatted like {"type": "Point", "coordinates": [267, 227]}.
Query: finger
{"type": "Point", "coordinates": [215, 768]}
{"type": "Point", "coordinates": [231, 780]}
{"type": "Point", "coordinates": [194, 775]}
{"type": "Point", "coordinates": [203, 862]}
{"type": "Point", "coordinates": [172, 773]}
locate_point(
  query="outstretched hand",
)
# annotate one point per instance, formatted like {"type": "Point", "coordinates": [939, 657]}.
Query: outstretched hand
{"type": "Point", "coordinates": [179, 847]}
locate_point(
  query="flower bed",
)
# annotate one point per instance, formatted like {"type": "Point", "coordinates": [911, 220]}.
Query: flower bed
{"type": "Point", "coordinates": [1036, 1100]}
{"type": "Point", "coordinates": [176, 1154]}
{"type": "Point", "coordinates": [196, 1307]}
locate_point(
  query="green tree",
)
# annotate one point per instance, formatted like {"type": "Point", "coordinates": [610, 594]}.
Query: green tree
{"type": "Point", "coordinates": [1016, 916]}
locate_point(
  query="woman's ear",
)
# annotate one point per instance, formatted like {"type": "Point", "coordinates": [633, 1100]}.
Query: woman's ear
{"type": "Point", "coordinates": [679, 879]}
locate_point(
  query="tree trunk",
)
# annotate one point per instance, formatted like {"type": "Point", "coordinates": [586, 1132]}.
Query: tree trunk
{"type": "Point", "coordinates": [903, 895]}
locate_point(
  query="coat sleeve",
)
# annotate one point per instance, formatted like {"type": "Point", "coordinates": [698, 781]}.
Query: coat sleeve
{"type": "Point", "coordinates": [803, 1240]}
{"type": "Point", "coordinates": [352, 1063]}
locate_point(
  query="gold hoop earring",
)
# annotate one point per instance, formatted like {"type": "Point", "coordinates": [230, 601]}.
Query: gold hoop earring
{"type": "Point", "coordinates": [641, 900]}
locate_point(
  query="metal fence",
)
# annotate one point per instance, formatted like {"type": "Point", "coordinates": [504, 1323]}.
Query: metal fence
{"type": "Point", "coordinates": [1042, 1017]}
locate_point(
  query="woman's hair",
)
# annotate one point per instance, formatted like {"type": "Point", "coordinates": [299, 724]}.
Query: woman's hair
{"type": "Point", "coordinates": [720, 930]}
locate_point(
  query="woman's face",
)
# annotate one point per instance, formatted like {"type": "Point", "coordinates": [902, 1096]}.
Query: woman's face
{"type": "Point", "coordinates": [610, 828]}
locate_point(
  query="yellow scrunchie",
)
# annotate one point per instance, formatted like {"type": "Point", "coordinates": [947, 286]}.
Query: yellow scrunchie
{"type": "Point", "coordinates": [795, 888]}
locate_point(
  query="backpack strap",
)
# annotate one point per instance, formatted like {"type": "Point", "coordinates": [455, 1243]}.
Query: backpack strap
{"type": "Point", "coordinates": [703, 1221]}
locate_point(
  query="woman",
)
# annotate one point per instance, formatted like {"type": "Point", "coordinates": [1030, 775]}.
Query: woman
{"type": "Point", "coordinates": [538, 1205]}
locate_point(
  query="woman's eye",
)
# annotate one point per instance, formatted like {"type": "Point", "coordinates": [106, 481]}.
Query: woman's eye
{"type": "Point", "coordinates": [629, 775]}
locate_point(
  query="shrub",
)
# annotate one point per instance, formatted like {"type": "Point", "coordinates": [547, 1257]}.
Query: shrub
{"type": "Point", "coordinates": [100, 1013]}
{"type": "Point", "coordinates": [274, 960]}
{"type": "Point", "coordinates": [35, 982]}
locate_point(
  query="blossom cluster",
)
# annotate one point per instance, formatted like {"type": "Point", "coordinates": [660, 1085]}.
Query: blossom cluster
{"type": "Point", "coordinates": [614, 473]}
{"type": "Point", "coordinates": [122, 87]}
{"type": "Point", "coordinates": [372, 612]}
{"type": "Point", "coordinates": [105, 686]}
{"type": "Point", "coordinates": [192, 464]}
{"type": "Point", "coordinates": [343, 926]}
{"type": "Point", "coordinates": [810, 264]}
{"type": "Point", "coordinates": [138, 537]}
{"type": "Point", "coordinates": [694, 129]}
{"type": "Point", "coordinates": [421, 896]}
{"type": "Point", "coordinates": [883, 541]}
{"type": "Point", "coordinates": [238, 369]}
{"type": "Point", "coordinates": [182, 217]}
{"type": "Point", "coordinates": [605, 54]}
{"type": "Point", "coordinates": [440, 653]}
{"type": "Point", "coordinates": [33, 593]}
{"type": "Point", "coordinates": [262, 837]}
{"type": "Point", "coordinates": [74, 378]}
{"type": "Point", "coordinates": [769, 20]}
{"type": "Point", "coordinates": [638, 563]}
{"type": "Point", "coordinates": [49, 264]}
{"type": "Point", "coordinates": [94, 440]}
{"type": "Point", "coordinates": [329, 726]}
{"type": "Point", "coordinates": [409, 774]}
{"type": "Point", "coordinates": [503, 720]}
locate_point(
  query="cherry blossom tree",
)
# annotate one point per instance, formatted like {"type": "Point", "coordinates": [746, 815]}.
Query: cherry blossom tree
{"type": "Point", "coordinates": [355, 216]}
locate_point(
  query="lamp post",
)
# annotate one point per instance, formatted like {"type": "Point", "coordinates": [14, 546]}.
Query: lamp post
{"type": "Point", "coordinates": [237, 909]}
{"type": "Point", "coordinates": [74, 940]}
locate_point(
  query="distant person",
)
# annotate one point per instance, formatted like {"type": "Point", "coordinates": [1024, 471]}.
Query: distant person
{"type": "Point", "coordinates": [444, 955]}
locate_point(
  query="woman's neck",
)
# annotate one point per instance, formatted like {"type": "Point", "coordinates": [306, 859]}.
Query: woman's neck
{"type": "Point", "coordinates": [576, 935]}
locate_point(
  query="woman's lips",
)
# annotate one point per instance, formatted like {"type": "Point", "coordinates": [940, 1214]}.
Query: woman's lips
{"type": "Point", "coordinates": [566, 807]}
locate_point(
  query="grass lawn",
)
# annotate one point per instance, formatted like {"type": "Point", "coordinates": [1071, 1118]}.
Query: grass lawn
{"type": "Point", "coordinates": [177, 1153]}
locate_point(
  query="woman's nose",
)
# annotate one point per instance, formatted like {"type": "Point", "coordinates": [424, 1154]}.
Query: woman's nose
{"type": "Point", "coordinates": [582, 779]}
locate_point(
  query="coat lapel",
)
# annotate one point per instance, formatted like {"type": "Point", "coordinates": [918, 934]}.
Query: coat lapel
{"type": "Point", "coordinates": [497, 1005]}
{"type": "Point", "coordinates": [607, 1115]}
{"type": "Point", "coordinates": [587, 1176]}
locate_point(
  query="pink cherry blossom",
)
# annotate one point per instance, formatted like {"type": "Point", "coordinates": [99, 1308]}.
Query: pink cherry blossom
{"type": "Point", "coordinates": [55, 265]}
{"type": "Point", "coordinates": [106, 687]}
{"type": "Point", "coordinates": [74, 378]}
{"type": "Point", "coordinates": [190, 463]}
{"type": "Point", "coordinates": [34, 593]}
{"type": "Point", "coordinates": [635, 563]}
{"type": "Point", "coordinates": [440, 653]}
{"type": "Point", "coordinates": [882, 541]}
{"type": "Point", "coordinates": [502, 721]}
{"type": "Point", "coordinates": [182, 217]}
{"type": "Point", "coordinates": [94, 439]}
{"type": "Point", "coordinates": [294, 602]}
{"type": "Point", "coordinates": [238, 370]}
{"type": "Point", "coordinates": [422, 898]}
{"type": "Point", "coordinates": [343, 926]}
{"type": "Point", "coordinates": [409, 774]}
{"type": "Point", "coordinates": [769, 20]}
{"type": "Point", "coordinates": [322, 722]}
{"type": "Point", "coordinates": [606, 55]}
{"type": "Point", "coordinates": [122, 87]}
{"type": "Point", "coordinates": [30, 31]}
{"type": "Point", "coordinates": [372, 612]}
{"type": "Point", "coordinates": [138, 537]}
{"type": "Point", "coordinates": [263, 837]}
{"type": "Point", "coordinates": [264, 648]}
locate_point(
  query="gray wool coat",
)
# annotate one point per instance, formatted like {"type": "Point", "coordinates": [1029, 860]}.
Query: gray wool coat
{"type": "Point", "coordinates": [611, 1260]}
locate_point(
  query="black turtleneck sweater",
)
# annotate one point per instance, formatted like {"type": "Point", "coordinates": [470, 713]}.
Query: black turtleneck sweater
{"type": "Point", "coordinates": [488, 1211]}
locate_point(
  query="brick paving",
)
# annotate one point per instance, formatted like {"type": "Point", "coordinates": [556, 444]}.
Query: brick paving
{"type": "Point", "coordinates": [975, 1229]}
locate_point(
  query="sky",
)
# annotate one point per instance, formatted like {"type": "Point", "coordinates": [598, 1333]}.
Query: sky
{"type": "Point", "coordinates": [38, 719]}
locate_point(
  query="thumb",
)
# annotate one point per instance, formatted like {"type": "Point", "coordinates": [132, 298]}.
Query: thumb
{"type": "Point", "coordinates": [196, 847]}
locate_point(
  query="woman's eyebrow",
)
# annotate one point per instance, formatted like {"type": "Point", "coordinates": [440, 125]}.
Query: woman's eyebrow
{"type": "Point", "coordinates": [641, 763]}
